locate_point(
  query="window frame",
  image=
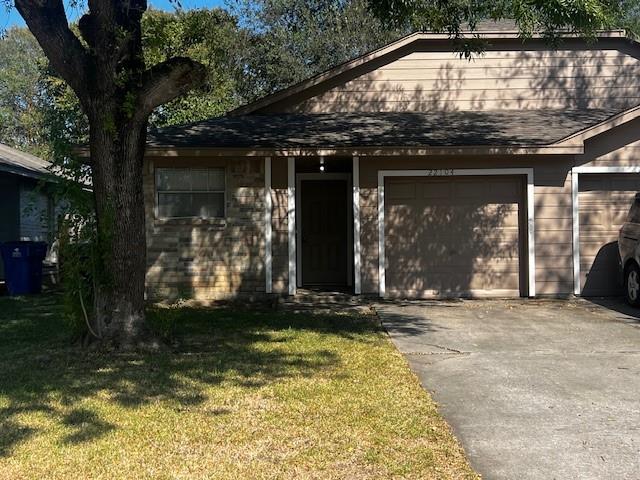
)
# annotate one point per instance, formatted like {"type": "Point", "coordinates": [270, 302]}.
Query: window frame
{"type": "Point", "coordinates": [190, 217]}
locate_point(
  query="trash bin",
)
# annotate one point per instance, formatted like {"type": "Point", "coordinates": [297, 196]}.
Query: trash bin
{"type": "Point", "coordinates": [23, 266]}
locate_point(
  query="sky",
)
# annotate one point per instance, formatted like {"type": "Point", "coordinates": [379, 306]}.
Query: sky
{"type": "Point", "coordinates": [12, 18]}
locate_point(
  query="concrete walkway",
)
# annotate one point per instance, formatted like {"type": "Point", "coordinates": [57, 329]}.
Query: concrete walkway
{"type": "Point", "coordinates": [533, 389]}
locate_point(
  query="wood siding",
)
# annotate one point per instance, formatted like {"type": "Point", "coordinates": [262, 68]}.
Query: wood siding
{"type": "Point", "coordinates": [506, 76]}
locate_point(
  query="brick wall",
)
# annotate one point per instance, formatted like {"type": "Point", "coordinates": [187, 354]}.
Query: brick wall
{"type": "Point", "coordinates": [212, 259]}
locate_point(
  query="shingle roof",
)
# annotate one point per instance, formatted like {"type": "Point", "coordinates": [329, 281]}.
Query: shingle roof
{"type": "Point", "coordinates": [21, 163]}
{"type": "Point", "coordinates": [406, 129]}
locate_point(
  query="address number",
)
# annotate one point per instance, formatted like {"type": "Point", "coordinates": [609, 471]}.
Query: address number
{"type": "Point", "coordinates": [439, 172]}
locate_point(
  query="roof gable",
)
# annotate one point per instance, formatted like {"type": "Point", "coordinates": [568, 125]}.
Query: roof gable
{"type": "Point", "coordinates": [422, 72]}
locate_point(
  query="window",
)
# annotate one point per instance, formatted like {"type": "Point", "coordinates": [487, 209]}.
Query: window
{"type": "Point", "coordinates": [190, 192]}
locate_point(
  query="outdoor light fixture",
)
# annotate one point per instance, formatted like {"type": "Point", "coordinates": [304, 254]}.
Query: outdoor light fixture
{"type": "Point", "coordinates": [322, 164]}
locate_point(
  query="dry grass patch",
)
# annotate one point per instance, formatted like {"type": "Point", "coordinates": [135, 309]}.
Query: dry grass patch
{"type": "Point", "coordinates": [243, 395]}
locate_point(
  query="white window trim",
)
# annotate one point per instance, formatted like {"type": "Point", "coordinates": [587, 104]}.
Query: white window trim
{"type": "Point", "coordinates": [156, 209]}
{"type": "Point", "coordinates": [575, 211]}
{"type": "Point", "coordinates": [528, 172]}
{"type": "Point", "coordinates": [268, 232]}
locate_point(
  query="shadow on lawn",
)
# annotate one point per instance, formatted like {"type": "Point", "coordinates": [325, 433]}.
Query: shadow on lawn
{"type": "Point", "coordinates": [40, 370]}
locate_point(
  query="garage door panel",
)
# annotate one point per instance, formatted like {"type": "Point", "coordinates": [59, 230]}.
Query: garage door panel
{"type": "Point", "coordinates": [460, 236]}
{"type": "Point", "coordinates": [589, 250]}
{"type": "Point", "coordinates": [604, 203]}
{"type": "Point", "coordinates": [456, 282]}
{"type": "Point", "coordinates": [435, 190]}
{"type": "Point", "coordinates": [456, 263]}
{"type": "Point", "coordinates": [491, 190]}
{"type": "Point", "coordinates": [398, 191]}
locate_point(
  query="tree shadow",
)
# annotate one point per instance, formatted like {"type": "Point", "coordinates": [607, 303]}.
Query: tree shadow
{"type": "Point", "coordinates": [41, 374]}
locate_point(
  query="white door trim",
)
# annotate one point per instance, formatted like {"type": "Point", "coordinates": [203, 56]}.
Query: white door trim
{"type": "Point", "coordinates": [445, 172]}
{"type": "Point", "coordinates": [291, 222]}
{"type": "Point", "coordinates": [357, 281]}
{"type": "Point", "coordinates": [268, 233]}
{"type": "Point", "coordinates": [321, 176]}
{"type": "Point", "coordinates": [575, 211]}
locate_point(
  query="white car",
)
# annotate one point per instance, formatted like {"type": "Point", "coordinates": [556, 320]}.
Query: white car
{"type": "Point", "coordinates": [629, 247]}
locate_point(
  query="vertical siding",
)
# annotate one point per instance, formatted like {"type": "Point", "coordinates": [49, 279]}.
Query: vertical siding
{"type": "Point", "coordinates": [508, 75]}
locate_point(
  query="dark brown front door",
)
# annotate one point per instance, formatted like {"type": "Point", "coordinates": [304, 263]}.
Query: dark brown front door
{"type": "Point", "coordinates": [324, 212]}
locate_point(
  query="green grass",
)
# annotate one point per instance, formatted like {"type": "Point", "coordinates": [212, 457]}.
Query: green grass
{"type": "Point", "coordinates": [242, 395]}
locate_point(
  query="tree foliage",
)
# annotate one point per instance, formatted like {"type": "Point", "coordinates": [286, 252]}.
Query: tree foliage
{"type": "Point", "coordinates": [549, 17]}
{"type": "Point", "coordinates": [23, 96]}
{"type": "Point", "coordinates": [287, 41]}
{"type": "Point", "coordinates": [208, 36]}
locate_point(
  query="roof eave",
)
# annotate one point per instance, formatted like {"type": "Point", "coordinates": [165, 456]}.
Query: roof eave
{"type": "Point", "coordinates": [169, 151]}
{"type": "Point", "coordinates": [578, 138]}
{"type": "Point", "coordinates": [25, 172]}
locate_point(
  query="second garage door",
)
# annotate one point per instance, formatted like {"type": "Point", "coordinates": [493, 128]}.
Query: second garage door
{"type": "Point", "coordinates": [454, 236]}
{"type": "Point", "coordinates": [604, 203]}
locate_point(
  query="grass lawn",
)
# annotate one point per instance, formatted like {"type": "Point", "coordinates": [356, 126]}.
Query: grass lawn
{"type": "Point", "coordinates": [243, 396]}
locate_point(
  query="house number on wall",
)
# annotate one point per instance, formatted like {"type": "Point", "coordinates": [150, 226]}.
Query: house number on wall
{"type": "Point", "coordinates": [439, 172]}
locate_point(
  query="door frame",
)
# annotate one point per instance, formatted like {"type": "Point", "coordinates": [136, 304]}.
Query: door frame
{"type": "Point", "coordinates": [462, 172]}
{"type": "Point", "coordinates": [300, 177]}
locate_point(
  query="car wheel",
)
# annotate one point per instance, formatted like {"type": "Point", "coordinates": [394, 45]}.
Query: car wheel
{"type": "Point", "coordinates": [632, 284]}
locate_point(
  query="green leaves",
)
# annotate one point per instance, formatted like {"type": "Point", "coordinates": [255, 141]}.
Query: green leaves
{"type": "Point", "coordinates": [287, 41]}
{"type": "Point", "coordinates": [22, 98]}
{"type": "Point", "coordinates": [207, 36]}
{"type": "Point", "coordinates": [549, 17]}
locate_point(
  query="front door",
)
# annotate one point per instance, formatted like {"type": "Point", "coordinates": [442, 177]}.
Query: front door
{"type": "Point", "coordinates": [324, 232]}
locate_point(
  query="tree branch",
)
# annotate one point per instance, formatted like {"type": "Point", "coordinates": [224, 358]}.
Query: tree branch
{"type": "Point", "coordinates": [166, 81]}
{"type": "Point", "coordinates": [47, 21]}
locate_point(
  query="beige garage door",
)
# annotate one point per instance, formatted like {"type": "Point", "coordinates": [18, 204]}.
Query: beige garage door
{"type": "Point", "coordinates": [454, 236]}
{"type": "Point", "coordinates": [604, 203]}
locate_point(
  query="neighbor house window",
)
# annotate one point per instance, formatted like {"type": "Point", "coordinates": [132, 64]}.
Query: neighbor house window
{"type": "Point", "coordinates": [190, 192]}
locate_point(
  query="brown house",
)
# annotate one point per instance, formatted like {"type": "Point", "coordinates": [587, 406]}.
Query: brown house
{"type": "Point", "coordinates": [408, 172]}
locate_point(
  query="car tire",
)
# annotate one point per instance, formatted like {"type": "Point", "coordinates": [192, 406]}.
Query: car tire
{"type": "Point", "coordinates": [632, 285]}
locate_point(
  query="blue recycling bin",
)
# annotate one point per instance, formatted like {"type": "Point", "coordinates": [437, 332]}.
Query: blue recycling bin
{"type": "Point", "coordinates": [23, 266]}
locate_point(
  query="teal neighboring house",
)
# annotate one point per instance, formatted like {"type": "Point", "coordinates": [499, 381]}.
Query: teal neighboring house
{"type": "Point", "coordinates": [27, 205]}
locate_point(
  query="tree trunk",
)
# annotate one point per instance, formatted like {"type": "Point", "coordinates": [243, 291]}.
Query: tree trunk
{"type": "Point", "coordinates": [117, 159]}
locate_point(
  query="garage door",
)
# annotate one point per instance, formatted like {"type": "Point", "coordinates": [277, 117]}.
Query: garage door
{"type": "Point", "coordinates": [604, 203]}
{"type": "Point", "coordinates": [455, 236]}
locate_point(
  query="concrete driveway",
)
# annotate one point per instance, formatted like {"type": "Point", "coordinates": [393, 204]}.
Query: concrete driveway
{"type": "Point", "coordinates": [533, 389]}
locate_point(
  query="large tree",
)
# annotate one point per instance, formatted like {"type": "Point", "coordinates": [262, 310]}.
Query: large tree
{"type": "Point", "coordinates": [106, 68]}
{"type": "Point", "coordinates": [40, 113]}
